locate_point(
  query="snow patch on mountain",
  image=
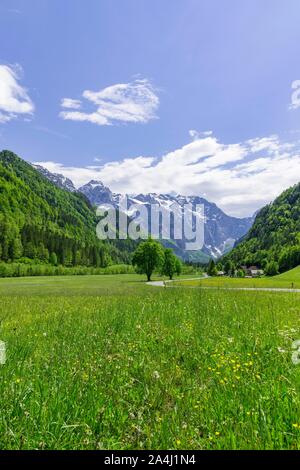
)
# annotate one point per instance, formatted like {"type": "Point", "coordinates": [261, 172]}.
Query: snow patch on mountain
{"type": "Point", "coordinates": [59, 180]}
{"type": "Point", "coordinates": [221, 231]}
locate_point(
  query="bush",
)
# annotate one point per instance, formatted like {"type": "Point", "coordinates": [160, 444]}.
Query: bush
{"type": "Point", "coordinates": [240, 273]}
{"type": "Point", "coordinates": [29, 269]}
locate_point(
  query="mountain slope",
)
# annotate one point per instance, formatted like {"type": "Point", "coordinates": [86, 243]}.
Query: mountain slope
{"type": "Point", "coordinates": [275, 234]}
{"type": "Point", "coordinates": [39, 220]}
{"type": "Point", "coordinates": [97, 193]}
{"type": "Point", "coordinates": [220, 231]}
{"type": "Point", "coordinates": [59, 180]}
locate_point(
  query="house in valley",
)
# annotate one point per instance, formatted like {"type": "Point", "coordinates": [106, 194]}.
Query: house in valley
{"type": "Point", "coordinates": [252, 271]}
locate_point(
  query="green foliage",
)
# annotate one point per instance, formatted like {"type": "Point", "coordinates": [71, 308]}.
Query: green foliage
{"type": "Point", "coordinates": [229, 267]}
{"type": "Point", "coordinates": [31, 269]}
{"type": "Point", "coordinates": [171, 265]}
{"type": "Point", "coordinates": [212, 269]}
{"type": "Point", "coordinates": [148, 256]}
{"type": "Point", "coordinates": [289, 258]}
{"type": "Point", "coordinates": [179, 266]}
{"type": "Point", "coordinates": [53, 259]}
{"type": "Point", "coordinates": [38, 219]}
{"type": "Point", "coordinates": [275, 235]}
{"type": "Point", "coordinates": [240, 273]}
{"type": "Point", "coordinates": [271, 268]}
{"type": "Point", "coordinates": [16, 249]}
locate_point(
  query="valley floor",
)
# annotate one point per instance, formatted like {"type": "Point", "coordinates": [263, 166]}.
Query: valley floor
{"type": "Point", "coordinates": [289, 281]}
{"type": "Point", "coordinates": [107, 362]}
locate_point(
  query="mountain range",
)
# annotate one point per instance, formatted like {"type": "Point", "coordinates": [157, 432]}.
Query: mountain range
{"type": "Point", "coordinates": [44, 218]}
{"type": "Point", "coordinates": [221, 231]}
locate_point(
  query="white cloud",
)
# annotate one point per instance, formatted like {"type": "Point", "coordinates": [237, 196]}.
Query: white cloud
{"type": "Point", "coordinates": [295, 103]}
{"type": "Point", "coordinates": [124, 102]}
{"type": "Point", "coordinates": [196, 135]}
{"type": "Point", "coordinates": [14, 99]}
{"type": "Point", "coordinates": [240, 178]}
{"type": "Point", "coordinates": [70, 104]}
{"type": "Point", "coordinates": [270, 144]}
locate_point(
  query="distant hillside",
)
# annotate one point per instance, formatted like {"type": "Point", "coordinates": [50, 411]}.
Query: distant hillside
{"type": "Point", "coordinates": [39, 220]}
{"type": "Point", "coordinates": [275, 234]}
{"type": "Point", "coordinates": [293, 275]}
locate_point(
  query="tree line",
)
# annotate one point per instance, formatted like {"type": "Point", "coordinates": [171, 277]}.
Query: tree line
{"type": "Point", "coordinates": [41, 222]}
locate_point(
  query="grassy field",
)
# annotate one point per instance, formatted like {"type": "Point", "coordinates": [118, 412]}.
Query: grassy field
{"type": "Point", "coordinates": [288, 280]}
{"type": "Point", "coordinates": [72, 285]}
{"type": "Point", "coordinates": [77, 285]}
{"type": "Point", "coordinates": [105, 362]}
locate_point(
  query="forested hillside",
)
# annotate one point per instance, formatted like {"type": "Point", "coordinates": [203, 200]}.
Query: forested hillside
{"type": "Point", "coordinates": [39, 221]}
{"type": "Point", "coordinates": [275, 235]}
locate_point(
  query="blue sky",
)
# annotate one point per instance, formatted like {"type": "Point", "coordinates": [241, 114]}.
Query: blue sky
{"type": "Point", "coordinates": [225, 73]}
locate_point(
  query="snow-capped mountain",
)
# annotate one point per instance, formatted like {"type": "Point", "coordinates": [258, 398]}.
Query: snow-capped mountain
{"type": "Point", "coordinates": [221, 231]}
{"type": "Point", "coordinates": [97, 193]}
{"type": "Point", "coordinates": [59, 180]}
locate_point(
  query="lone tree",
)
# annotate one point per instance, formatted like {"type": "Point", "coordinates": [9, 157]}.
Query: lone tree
{"type": "Point", "coordinates": [147, 257]}
{"type": "Point", "coordinates": [171, 265]}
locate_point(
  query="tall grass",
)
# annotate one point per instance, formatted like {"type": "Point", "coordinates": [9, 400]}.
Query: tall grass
{"type": "Point", "coordinates": [150, 369]}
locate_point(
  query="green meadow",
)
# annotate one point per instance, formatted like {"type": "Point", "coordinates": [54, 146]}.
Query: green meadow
{"type": "Point", "coordinates": [287, 280]}
{"type": "Point", "coordinates": [106, 362]}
